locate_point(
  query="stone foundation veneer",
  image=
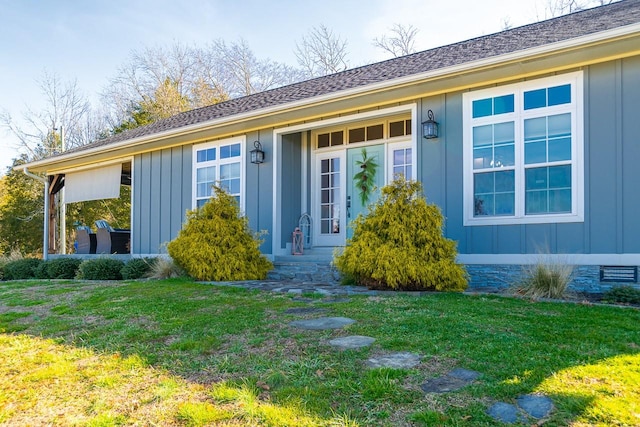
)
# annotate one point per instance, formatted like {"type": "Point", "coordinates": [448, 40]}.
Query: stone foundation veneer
{"type": "Point", "coordinates": [497, 277]}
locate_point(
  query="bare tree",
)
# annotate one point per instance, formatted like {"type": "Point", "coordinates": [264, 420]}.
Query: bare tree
{"type": "Point", "coordinates": [553, 8]}
{"type": "Point", "coordinates": [39, 134]}
{"type": "Point", "coordinates": [400, 42]}
{"type": "Point", "coordinates": [321, 52]}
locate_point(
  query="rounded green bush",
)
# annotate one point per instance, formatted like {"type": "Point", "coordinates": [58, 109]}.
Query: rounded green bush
{"type": "Point", "coordinates": [21, 269]}
{"type": "Point", "coordinates": [216, 243]}
{"type": "Point", "coordinates": [41, 271]}
{"type": "Point", "coordinates": [136, 268]}
{"type": "Point", "coordinates": [399, 244]}
{"type": "Point", "coordinates": [100, 269]}
{"type": "Point", "coordinates": [63, 268]}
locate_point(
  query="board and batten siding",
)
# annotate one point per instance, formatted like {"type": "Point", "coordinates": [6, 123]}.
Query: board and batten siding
{"type": "Point", "coordinates": [162, 193]}
{"type": "Point", "coordinates": [611, 173]}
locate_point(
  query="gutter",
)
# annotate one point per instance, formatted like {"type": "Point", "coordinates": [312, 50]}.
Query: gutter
{"type": "Point", "coordinates": [45, 242]}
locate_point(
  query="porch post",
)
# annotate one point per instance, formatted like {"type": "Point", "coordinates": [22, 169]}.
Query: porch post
{"type": "Point", "coordinates": [45, 233]}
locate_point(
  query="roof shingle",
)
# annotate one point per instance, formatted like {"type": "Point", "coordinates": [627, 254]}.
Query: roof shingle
{"type": "Point", "coordinates": [625, 12]}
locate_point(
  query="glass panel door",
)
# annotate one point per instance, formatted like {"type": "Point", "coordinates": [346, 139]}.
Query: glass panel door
{"type": "Point", "coordinates": [329, 200]}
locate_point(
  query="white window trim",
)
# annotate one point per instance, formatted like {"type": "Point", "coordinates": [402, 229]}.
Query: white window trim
{"type": "Point", "coordinates": [217, 144]}
{"type": "Point", "coordinates": [577, 150]}
{"type": "Point", "coordinates": [391, 147]}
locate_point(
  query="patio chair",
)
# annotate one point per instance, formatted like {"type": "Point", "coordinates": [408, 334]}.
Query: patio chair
{"type": "Point", "coordinates": [111, 240]}
{"type": "Point", "coordinates": [86, 240]}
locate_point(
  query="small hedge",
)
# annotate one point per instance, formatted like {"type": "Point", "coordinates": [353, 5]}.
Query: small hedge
{"type": "Point", "coordinates": [21, 269]}
{"type": "Point", "coordinates": [137, 268]}
{"type": "Point", "coordinates": [100, 269]}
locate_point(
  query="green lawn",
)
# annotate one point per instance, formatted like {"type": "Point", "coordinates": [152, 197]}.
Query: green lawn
{"type": "Point", "coordinates": [182, 353]}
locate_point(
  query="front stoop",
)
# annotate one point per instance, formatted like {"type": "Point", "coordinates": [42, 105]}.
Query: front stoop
{"type": "Point", "coordinates": [312, 267]}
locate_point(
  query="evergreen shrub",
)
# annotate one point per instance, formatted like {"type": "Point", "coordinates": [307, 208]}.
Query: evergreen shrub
{"type": "Point", "coordinates": [137, 268]}
{"type": "Point", "coordinates": [622, 294]}
{"type": "Point", "coordinates": [100, 269]}
{"type": "Point", "coordinates": [399, 244]}
{"type": "Point", "coordinates": [41, 271]}
{"type": "Point", "coordinates": [21, 269]}
{"type": "Point", "coordinates": [62, 268]}
{"type": "Point", "coordinates": [216, 243]}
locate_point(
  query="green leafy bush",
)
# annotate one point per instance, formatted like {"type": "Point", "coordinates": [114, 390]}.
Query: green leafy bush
{"type": "Point", "coordinates": [136, 268]}
{"type": "Point", "coordinates": [216, 243]}
{"type": "Point", "coordinates": [622, 295]}
{"type": "Point", "coordinates": [399, 245]}
{"type": "Point", "coordinates": [545, 280]}
{"type": "Point", "coordinates": [41, 271]}
{"type": "Point", "coordinates": [21, 269]}
{"type": "Point", "coordinates": [100, 269]}
{"type": "Point", "coordinates": [6, 259]}
{"type": "Point", "coordinates": [63, 268]}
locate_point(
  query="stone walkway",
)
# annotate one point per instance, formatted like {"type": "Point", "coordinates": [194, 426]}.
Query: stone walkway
{"type": "Point", "coordinates": [527, 407]}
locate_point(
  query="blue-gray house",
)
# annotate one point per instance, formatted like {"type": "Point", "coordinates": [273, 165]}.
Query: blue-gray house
{"type": "Point", "coordinates": [537, 149]}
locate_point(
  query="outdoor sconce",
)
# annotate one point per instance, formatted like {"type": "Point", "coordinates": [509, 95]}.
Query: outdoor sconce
{"type": "Point", "coordinates": [430, 127]}
{"type": "Point", "coordinates": [257, 155]}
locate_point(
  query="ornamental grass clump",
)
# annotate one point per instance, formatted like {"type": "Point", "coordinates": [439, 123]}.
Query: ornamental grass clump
{"type": "Point", "coordinates": [216, 243]}
{"type": "Point", "coordinates": [399, 244]}
{"type": "Point", "coordinates": [545, 280]}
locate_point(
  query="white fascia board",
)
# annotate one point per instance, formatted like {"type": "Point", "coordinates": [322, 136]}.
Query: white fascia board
{"type": "Point", "coordinates": [627, 30]}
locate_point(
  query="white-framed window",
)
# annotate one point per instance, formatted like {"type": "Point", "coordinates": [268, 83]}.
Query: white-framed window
{"type": "Point", "coordinates": [218, 163]}
{"type": "Point", "coordinates": [523, 152]}
{"type": "Point", "coordinates": [400, 161]}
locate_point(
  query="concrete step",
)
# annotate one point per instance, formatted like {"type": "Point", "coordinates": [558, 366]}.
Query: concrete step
{"type": "Point", "coordinates": [304, 271]}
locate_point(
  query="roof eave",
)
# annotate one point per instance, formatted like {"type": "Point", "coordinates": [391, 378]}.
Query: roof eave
{"type": "Point", "coordinates": [570, 44]}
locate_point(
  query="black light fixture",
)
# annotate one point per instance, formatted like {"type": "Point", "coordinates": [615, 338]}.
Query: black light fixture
{"type": "Point", "coordinates": [430, 127]}
{"type": "Point", "coordinates": [257, 155]}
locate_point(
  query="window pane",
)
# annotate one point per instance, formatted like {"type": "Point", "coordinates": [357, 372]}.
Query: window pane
{"type": "Point", "coordinates": [505, 204]}
{"type": "Point", "coordinates": [482, 107]}
{"type": "Point", "coordinates": [335, 165]}
{"type": "Point", "coordinates": [504, 181]}
{"type": "Point", "coordinates": [482, 158]}
{"type": "Point", "coordinates": [323, 140]}
{"type": "Point", "coordinates": [407, 154]}
{"type": "Point", "coordinates": [324, 181]}
{"type": "Point", "coordinates": [503, 133]}
{"type": "Point", "coordinates": [535, 152]}
{"type": "Point", "coordinates": [560, 176]}
{"type": "Point", "coordinates": [397, 171]}
{"type": "Point", "coordinates": [335, 196]}
{"type": "Point", "coordinates": [503, 156]}
{"type": "Point", "coordinates": [324, 196]}
{"type": "Point", "coordinates": [325, 226]}
{"type": "Point", "coordinates": [535, 129]}
{"type": "Point", "coordinates": [200, 203]}
{"type": "Point", "coordinates": [206, 155]}
{"type": "Point", "coordinates": [396, 129]}
{"type": "Point", "coordinates": [535, 99]}
{"type": "Point", "coordinates": [560, 201]}
{"type": "Point", "coordinates": [536, 202]}
{"type": "Point", "coordinates": [231, 170]}
{"type": "Point", "coordinates": [204, 189]}
{"type": "Point", "coordinates": [536, 178]}
{"type": "Point", "coordinates": [356, 135]}
{"type": "Point", "coordinates": [408, 127]}
{"type": "Point", "coordinates": [337, 138]}
{"type": "Point", "coordinates": [375, 132]}
{"type": "Point", "coordinates": [483, 182]}
{"type": "Point", "coordinates": [559, 149]}
{"type": "Point", "coordinates": [483, 205]}
{"type": "Point", "coordinates": [559, 125]}
{"type": "Point", "coordinates": [560, 95]}
{"type": "Point", "coordinates": [228, 151]}
{"type": "Point", "coordinates": [482, 135]}
{"type": "Point", "coordinates": [324, 166]}
{"type": "Point", "coordinates": [206, 174]}
{"type": "Point", "coordinates": [398, 157]}
{"type": "Point", "coordinates": [503, 104]}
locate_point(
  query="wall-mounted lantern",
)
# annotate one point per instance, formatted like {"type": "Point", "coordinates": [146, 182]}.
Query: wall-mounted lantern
{"type": "Point", "coordinates": [430, 127]}
{"type": "Point", "coordinates": [257, 155]}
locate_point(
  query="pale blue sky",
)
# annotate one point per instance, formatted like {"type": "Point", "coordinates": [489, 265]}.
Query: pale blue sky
{"type": "Point", "coordinates": [88, 40]}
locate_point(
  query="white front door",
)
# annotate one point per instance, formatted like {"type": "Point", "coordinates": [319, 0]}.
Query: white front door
{"type": "Point", "coordinates": [328, 199]}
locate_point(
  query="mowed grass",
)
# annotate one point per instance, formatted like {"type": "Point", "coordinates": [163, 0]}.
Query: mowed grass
{"type": "Point", "coordinates": [182, 353]}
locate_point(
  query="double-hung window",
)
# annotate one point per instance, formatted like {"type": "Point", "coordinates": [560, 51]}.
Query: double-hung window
{"type": "Point", "coordinates": [523, 152]}
{"type": "Point", "coordinates": [218, 163]}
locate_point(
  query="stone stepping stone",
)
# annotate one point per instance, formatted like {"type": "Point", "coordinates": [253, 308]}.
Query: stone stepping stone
{"type": "Point", "coordinates": [322, 323]}
{"type": "Point", "coordinates": [402, 360]}
{"type": "Point", "coordinates": [534, 405]}
{"type": "Point", "coordinates": [505, 413]}
{"type": "Point", "coordinates": [352, 342]}
{"type": "Point", "coordinates": [304, 310]}
{"type": "Point", "coordinates": [453, 381]}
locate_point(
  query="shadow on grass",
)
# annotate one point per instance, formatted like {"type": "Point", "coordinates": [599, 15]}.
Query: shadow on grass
{"type": "Point", "coordinates": [185, 353]}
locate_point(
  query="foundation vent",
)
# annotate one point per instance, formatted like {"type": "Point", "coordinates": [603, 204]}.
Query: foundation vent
{"type": "Point", "coordinates": [623, 274]}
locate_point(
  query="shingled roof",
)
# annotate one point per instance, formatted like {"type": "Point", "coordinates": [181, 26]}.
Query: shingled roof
{"type": "Point", "coordinates": [559, 29]}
